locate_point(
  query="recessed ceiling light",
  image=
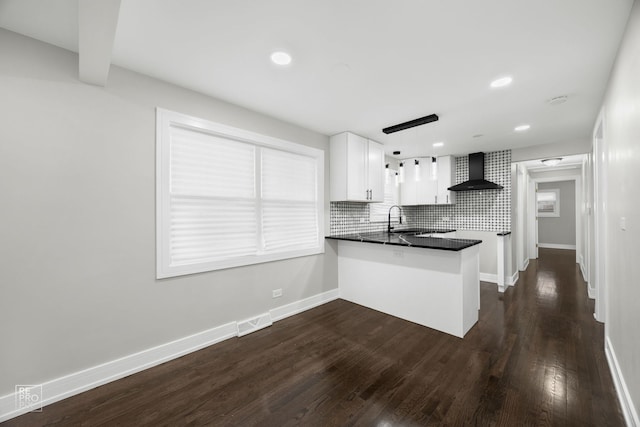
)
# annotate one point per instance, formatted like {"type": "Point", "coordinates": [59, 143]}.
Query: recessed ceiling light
{"type": "Point", "coordinates": [478, 135]}
{"type": "Point", "coordinates": [522, 128]}
{"type": "Point", "coordinates": [281, 58]}
{"type": "Point", "coordinates": [438, 144]}
{"type": "Point", "coordinates": [501, 82]}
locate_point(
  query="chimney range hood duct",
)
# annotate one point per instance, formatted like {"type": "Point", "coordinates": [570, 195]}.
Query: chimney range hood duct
{"type": "Point", "coordinates": [476, 176]}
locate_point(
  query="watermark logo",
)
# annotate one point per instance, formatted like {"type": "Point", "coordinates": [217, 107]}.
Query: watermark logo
{"type": "Point", "coordinates": [29, 397]}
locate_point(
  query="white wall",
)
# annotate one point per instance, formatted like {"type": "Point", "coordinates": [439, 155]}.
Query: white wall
{"type": "Point", "coordinates": [559, 230]}
{"type": "Point", "coordinates": [622, 135]}
{"type": "Point", "coordinates": [77, 222]}
{"type": "Point", "coordinates": [488, 249]}
{"type": "Point", "coordinates": [551, 150]}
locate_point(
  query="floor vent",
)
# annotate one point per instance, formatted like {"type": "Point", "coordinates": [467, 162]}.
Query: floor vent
{"type": "Point", "coordinates": [254, 324]}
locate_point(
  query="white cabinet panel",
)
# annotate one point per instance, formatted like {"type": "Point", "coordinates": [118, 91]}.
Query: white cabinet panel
{"type": "Point", "coordinates": [446, 178]}
{"type": "Point", "coordinates": [357, 169]}
{"type": "Point", "coordinates": [376, 171]}
{"type": "Point", "coordinates": [427, 182]}
{"type": "Point", "coordinates": [419, 187]}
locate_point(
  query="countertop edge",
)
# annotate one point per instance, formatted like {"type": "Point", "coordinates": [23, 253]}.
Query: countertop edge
{"type": "Point", "coordinates": [469, 243]}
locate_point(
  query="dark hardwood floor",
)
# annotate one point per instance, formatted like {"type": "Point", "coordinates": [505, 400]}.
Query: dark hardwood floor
{"type": "Point", "coordinates": [535, 358]}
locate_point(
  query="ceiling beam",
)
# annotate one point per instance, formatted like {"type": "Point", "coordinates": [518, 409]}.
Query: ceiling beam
{"type": "Point", "coordinates": [97, 23]}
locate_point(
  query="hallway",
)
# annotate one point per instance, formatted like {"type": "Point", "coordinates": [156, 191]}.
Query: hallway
{"type": "Point", "coordinates": [558, 366]}
{"type": "Point", "coordinates": [535, 358]}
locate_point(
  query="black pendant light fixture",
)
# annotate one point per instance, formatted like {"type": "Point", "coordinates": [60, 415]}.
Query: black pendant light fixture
{"type": "Point", "coordinates": [411, 123]}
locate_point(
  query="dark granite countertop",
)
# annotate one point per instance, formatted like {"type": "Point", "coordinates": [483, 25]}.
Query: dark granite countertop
{"type": "Point", "coordinates": [409, 237]}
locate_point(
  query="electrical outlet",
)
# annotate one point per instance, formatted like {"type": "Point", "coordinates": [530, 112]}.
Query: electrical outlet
{"type": "Point", "coordinates": [276, 293]}
{"type": "Point", "coordinates": [623, 223]}
{"type": "Point", "coordinates": [398, 254]}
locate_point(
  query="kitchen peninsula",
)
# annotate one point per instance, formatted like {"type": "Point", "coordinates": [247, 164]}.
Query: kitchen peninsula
{"type": "Point", "coordinates": [413, 274]}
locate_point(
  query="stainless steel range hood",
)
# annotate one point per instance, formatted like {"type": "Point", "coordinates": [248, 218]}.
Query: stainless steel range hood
{"type": "Point", "coordinates": [476, 176]}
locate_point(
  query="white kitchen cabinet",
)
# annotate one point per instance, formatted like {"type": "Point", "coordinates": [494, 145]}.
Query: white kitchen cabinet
{"type": "Point", "coordinates": [419, 186]}
{"type": "Point", "coordinates": [357, 169]}
{"type": "Point", "coordinates": [446, 178]}
{"type": "Point", "coordinates": [428, 184]}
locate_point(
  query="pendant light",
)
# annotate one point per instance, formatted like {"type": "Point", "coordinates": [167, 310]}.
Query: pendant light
{"type": "Point", "coordinates": [434, 168]}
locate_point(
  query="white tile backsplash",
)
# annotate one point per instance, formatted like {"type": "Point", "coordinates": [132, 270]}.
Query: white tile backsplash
{"type": "Point", "coordinates": [487, 210]}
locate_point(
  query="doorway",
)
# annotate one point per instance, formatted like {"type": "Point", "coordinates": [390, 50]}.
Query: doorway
{"type": "Point", "coordinates": [600, 204]}
{"type": "Point", "coordinates": [557, 215]}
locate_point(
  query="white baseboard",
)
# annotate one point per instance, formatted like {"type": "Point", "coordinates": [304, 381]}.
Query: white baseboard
{"type": "Point", "coordinates": [556, 246]}
{"type": "Point", "coordinates": [78, 382]}
{"type": "Point", "coordinates": [285, 311]}
{"type": "Point", "coordinates": [488, 277]}
{"type": "Point", "coordinates": [72, 384]}
{"type": "Point", "coordinates": [583, 271]}
{"type": "Point", "coordinates": [628, 408]}
{"type": "Point", "coordinates": [525, 265]}
{"type": "Point", "coordinates": [493, 278]}
{"type": "Point", "coordinates": [591, 292]}
{"type": "Point", "coordinates": [513, 279]}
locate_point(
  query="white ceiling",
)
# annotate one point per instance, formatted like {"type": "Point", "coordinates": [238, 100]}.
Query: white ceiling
{"type": "Point", "coordinates": [362, 65]}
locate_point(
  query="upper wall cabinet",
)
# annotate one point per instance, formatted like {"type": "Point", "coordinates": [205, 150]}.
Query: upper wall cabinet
{"type": "Point", "coordinates": [446, 178]}
{"type": "Point", "coordinates": [425, 181]}
{"type": "Point", "coordinates": [357, 169]}
{"type": "Point", "coordinates": [418, 185]}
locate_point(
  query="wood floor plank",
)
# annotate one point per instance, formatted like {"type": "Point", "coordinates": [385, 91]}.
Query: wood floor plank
{"type": "Point", "coordinates": [535, 357]}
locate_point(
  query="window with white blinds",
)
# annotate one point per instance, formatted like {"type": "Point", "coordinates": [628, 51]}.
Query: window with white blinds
{"type": "Point", "coordinates": [229, 197]}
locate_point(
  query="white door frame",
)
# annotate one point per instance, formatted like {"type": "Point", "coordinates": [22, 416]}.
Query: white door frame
{"type": "Point", "coordinates": [578, 203]}
{"type": "Point", "coordinates": [600, 166]}
{"type": "Point", "coordinates": [520, 237]}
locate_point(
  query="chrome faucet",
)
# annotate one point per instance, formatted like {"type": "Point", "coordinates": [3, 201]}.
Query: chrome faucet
{"type": "Point", "coordinates": [389, 228]}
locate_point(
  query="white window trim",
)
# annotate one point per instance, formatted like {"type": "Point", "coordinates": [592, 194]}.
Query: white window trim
{"type": "Point", "coordinates": [164, 120]}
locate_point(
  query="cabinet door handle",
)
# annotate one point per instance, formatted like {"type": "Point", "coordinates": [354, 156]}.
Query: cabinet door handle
{"type": "Point", "coordinates": [436, 200]}
{"type": "Point", "coordinates": [447, 199]}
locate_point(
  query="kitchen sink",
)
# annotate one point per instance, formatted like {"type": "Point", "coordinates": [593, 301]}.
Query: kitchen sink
{"type": "Point", "coordinates": [408, 231]}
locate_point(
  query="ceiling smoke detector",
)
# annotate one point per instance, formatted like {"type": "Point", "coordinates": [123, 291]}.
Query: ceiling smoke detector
{"type": "Point", "coordinates": [558, 100]}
